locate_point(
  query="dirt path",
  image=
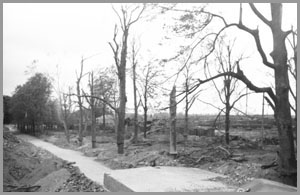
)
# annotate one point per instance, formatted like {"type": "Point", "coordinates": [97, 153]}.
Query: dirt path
{"type": "Point", "coordinates": [92, 169]}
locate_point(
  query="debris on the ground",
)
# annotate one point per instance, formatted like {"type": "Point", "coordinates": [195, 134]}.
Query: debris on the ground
{"type": "Point", "coordinates": [27, 168]}
{"type": "Point", "coordinates": [77, 182]}
{"type": "Point", "coordinates": [240, 160]}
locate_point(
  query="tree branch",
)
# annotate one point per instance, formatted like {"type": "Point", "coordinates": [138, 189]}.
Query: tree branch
{"type": "Point", "coordinates": [116, 48]}
{"type": "Point", "coordinates": [255, 34]}
{"type": "Point", "coordinates": [270, 103]}
{"type": "Point", "coordinates": [259, 15]}
{"type": "Point", "coordinates": [138, 17]}
{"type": "Point", "coordinates": [240, 75]}
{"type": "Point", "coordinates": [222, 110]}
{"type": "Point", "coordinates": [98, 98]}
{"type": "Point", "coordinates": [235, 101]}
{"type": "Point", "coordinates": [119, 17]}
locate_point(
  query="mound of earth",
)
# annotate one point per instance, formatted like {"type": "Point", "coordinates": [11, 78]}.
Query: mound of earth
{"type": "Point", "coordinates": [27, 168]}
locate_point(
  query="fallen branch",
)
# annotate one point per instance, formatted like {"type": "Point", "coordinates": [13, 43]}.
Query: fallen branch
{"type": "Point", "coordinates": [239, 159]}
{"type": "Point", "coordinates": [154, 130]}
{"type": "Point", "coordinates": [202, 157]}
{"type": "Point", "coordinates": [273, 164]}
{"type": "Point", "coordinates": [224, 150]}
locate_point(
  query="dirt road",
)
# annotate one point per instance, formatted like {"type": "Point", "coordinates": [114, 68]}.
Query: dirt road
{"type": "Point", "coordinates": [92, 169]}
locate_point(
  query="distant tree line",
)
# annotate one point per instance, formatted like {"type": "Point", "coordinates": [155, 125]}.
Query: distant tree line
{"type": "Point", "coordinates": [30, 106]}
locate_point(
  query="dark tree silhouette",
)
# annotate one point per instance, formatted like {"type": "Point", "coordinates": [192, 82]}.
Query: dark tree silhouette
{"type": "Point", "coordinates": [29, 103]}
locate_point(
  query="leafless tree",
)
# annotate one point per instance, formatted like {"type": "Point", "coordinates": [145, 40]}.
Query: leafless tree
{"type": "Point", "coordinates": [92, 102]}
{"type": "Point", "coordinates": [279, 100]}
{"type": "Point", "coordinates": [292, 66]}
{"type": "Point", "coordinates": [105, 88]}
{"type": "Point", "coordinates": [134, 53]}
{"type": "Point", "coordinates": [80, 102]}
{"type": "Point", "coordinates": [189, 100]}
{"type": "Point", "coordinates": [65, 106]}
{"type": "Point", "coordinates": [148, 84]}
{"type": "Point", "coordinates": [127, 18]}
{"type": "Point", "coordinates": [230, 84]}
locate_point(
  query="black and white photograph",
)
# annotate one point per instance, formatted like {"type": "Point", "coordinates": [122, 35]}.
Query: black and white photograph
{"type": "Point", "coordinates": [149, 97]}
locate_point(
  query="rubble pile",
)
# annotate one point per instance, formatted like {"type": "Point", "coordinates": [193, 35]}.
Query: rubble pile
{"type": "Point", "coordinates": [77, 182]}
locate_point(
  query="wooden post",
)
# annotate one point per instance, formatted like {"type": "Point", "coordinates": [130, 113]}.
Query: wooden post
{"type": "Point", "coordinates": [173, 106]}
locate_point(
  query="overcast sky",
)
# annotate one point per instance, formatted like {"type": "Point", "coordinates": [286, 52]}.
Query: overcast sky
{"type": "Point", "coordinates": [60, 34]}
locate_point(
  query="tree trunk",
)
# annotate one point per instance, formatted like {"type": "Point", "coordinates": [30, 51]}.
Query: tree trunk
{"type": "Point", "coordinates": [227, 82]}
{"type": "Point", "coordinates": [116, 122]}
{"type": "Point", "coordinates": [186, 118]}
{"type": "Point", "coordinates": [103, 116]}
{"type": "Point", "coordinates": [93, 130]}
{"type": "Point", "coordinates": [92, 102]}
{"type": "Point", "coordinates": [66, 131]}
{"type": "Point", "coordinates": [145, 121]}
{"type": "Point", "coordinates": [85, 124]}
{"type": "Point", "coordinates": [80, 112]}
{"type": "Point", "coordinates": [145, 106]}
{"type": "Point", "coordinates": [173, 150]}
{"type": "Point", "coordinates": [80, 137]}
{"type": "Point", "coordinates": [121, 115]}
{"type": "Point", "coordinates": [288, 163]}
{"type": "Point", "coordinates": [122, 85]}
{"type": "Point", "coordinates": [227, 123]}
{"type": "Point", "coordinates": [135, 120]}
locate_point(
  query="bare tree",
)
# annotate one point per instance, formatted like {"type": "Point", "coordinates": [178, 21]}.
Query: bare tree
{"type": "Point", "coordinates": [189, 101]}
{"type": "Point", "coordinates": [148, 84]}
{"type": "Point", "coordinates": [279, 100]}
{"type": "Point", "coordinates": [91, 101]}
{"type": "Point", "coordinates": [127, 19]}
{"type": "Point", "coordinates": [105, 88]}
{"type": "Point", "coordinates": [135, 120]}
{"type": "Point", "coordinates": [67, 111]}
{"type": "Point", "coordinates": [80, 102]}
{"type": "Point", "coordinates": [230, 84]}
{"type": "Point", "coordinates": [292, 66]}
{"type": "Point", "coordinates": [65, 106]}
{"type": "Point", "coordinates": [101, 90]}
